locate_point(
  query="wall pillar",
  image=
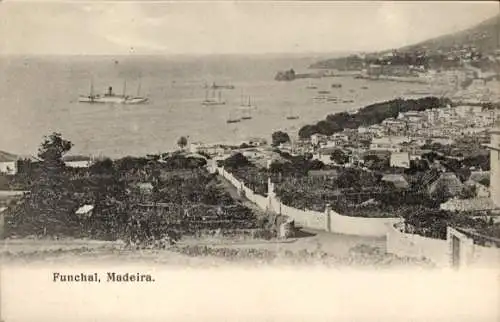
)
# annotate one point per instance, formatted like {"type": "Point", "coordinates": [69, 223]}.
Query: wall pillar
{"type": "Point", "coordinates": [328, 218]}
{"type": "Point", "coordinates": [213, 164]}
{"type": "Point", "coordinates": [270, 194]}
{"type": "Point", "coordinates": [241, 190]}
{"type": "Point", "coordinates": [2, 223]}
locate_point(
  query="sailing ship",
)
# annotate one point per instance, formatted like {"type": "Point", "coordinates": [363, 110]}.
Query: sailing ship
{"type": "Point", "coordinates": [247, 115]}
{"type": "Point", "coordinates": [291, 115]}
{"type": "Point", "coordinates": [111, 98]}
{"type": "Point", "coordinates": [232, 118]}
{"type": "Point", "coordinates": [248, 104]}
{"type": "Point", "coordinates": [212, 101]}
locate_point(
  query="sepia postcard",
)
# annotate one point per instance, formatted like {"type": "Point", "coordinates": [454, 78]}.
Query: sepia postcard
{"type": "Point", "coordinates": [249, 161]}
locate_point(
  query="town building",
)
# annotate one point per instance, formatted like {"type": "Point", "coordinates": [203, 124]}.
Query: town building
{"type": "Point", "coordinates": [8, 167]}
{"type": "Point", "coordinates": [78, 161]}
{"type": "Point", "coordinates": [388, 143]}
{"type": "Point", "coordinates": [400, 160]}
{"type": "Point", "coordinates": [494, 148]}
{"type": "Point", "coordinates": [317, 139]}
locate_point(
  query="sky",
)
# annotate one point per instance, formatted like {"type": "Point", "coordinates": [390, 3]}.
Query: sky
{"type": "Point", "coordinates": [78, 27]}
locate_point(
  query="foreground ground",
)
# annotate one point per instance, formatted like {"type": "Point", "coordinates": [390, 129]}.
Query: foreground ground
{"type": "Point", "coordinates": [310, 247]}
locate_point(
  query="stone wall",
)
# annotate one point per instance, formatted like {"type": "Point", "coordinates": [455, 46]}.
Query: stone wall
{"type": "Point", "coordinates": [328, 221]}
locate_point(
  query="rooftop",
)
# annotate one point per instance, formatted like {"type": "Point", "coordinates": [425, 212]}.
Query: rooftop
{"type": "Point", "coordinates": [7, 157]}
{"type": "Point", "coordinates": [474, 204]}
{"type": "Point", "coordinates": [84, 209]}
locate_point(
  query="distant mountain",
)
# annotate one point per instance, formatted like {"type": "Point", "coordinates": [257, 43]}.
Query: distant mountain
{"type": "Point", "coordinates": [7, 157]}
{"type": "Point", "coordinates": [485, 37]}
{"type": "Point", "coordinates": [475, 43]}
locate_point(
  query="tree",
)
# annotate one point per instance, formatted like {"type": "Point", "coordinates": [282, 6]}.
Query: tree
{"type": "Point", "coordinates": [485, 182]}
{"type": "Point", "coordinates": [182, 142]}
{"type": "Point", "coordinates": [237, 160]}
{"type": "Point", "coordinates": [102, 167]}
{"type": "Point", "coordinates": [280, 137]}
{"type": "Point", "coordinates": [339, 157]}
{"type": "Point", "coordinates": [49, 209]}
{"type": "Point", "coordinates": [52, 149]}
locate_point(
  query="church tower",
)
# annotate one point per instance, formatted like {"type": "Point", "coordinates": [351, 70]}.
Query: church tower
{"type": "Point", "coordinates": [494, 148]}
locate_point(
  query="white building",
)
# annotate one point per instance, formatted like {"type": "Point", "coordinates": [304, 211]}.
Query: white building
{"type": "Point", "coordinates": [400, 160]}
{"type": "Point", "coordinates": [8, 167]}
{"type": "Point", "coordinates": [325, 158]}
{"type": "Point", "coordinates": [78, 164]}
{"type": "Point", "coordinates": [195, 147]}
{"type": "Point", "coordinates": [316, 139]}
{"type": "Point", "coordinates": [388, 143]}
{"type": "Point", "coordinates": [466, 110]}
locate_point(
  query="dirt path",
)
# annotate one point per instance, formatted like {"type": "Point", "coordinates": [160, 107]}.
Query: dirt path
{"type": "Point", "coordinates": [306, 240]}
{"type": "Point", "coordinates": [228, 186]}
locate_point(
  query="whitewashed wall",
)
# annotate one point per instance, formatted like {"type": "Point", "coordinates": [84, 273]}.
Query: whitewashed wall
{"type": "Point", "coordinates": [361, 226]}
{"type": "Point", "coordinates": [409, 245]}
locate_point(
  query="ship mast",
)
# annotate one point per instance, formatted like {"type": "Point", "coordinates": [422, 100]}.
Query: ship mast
{"type": "Point", "coordinates": [124, 88]}
{"type": "Point", "coordinates": [139, 86]}
{"type": "Point", "coordinates": [139, 89]}
{"type": "Point", "coordinates": [91, 87]}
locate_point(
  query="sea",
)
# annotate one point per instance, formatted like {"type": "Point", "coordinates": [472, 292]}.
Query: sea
{"type": "Point", "coordinates": [39, 95]}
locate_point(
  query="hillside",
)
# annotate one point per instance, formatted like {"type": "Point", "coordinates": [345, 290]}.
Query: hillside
{"type": "Point", "coordinates": [476, 44]}
{"type": "Point", "coordinates": [7, 157]}
{"type": "Point", "coordinates": [485, 37]}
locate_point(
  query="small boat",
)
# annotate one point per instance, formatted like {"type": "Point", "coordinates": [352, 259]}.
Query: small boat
{"type": "Point", "coordinates": [311, 86]}
{"type": "Point", "coordinates": [323, 92]}
{"type": "Point", "coordinates": [336, 85]}
{"type": "Point", "coordinates": [320, 98]}
{"type": "Point", "coordinates": [364, 87]}
{"type": "Point", "coordinates": [347, 101]}
{"type": "Point", "coordinates": [215, 86]}
{"type": "Point", "coordinates": [213, 102]}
